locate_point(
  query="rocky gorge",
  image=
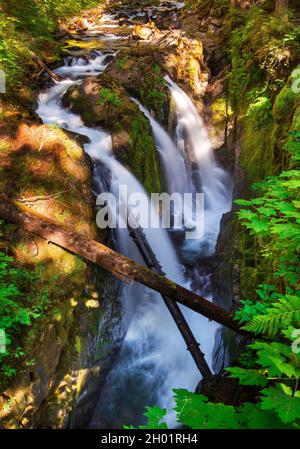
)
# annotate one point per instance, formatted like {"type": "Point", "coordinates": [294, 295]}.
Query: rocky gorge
{"type": "Point", "coordinates": [171, 60]}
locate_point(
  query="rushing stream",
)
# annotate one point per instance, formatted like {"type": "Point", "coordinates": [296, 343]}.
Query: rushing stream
{"type": "Point", "coordinates": [153, 358]}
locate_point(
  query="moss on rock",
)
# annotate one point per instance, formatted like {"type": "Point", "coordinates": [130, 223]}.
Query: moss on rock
{"type": "Point", "coordinates": [139, 73]}
{"type": "Point", "coordinates": [284, 105]}
{"type": "Point", "coordinates": [102, 101]}
{"type": "Point", "coordinates": [41, 161]}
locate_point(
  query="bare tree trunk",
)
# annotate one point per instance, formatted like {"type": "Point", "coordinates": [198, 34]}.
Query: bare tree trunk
{"type": "Point", "coordinates": [281, 9]}
{"type": "Point", "coordinates": [120, 266]}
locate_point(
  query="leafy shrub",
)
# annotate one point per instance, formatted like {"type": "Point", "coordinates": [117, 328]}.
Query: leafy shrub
{"type": "Point", "coordinates": [12, 314]}
{"type": "Point", "coordinates": [261, 59]}
{"type": "Point", "coordinates": [23, 299]}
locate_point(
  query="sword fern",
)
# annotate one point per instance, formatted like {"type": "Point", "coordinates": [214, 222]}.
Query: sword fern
{"type": "Point", "coordinates": [282, 314]}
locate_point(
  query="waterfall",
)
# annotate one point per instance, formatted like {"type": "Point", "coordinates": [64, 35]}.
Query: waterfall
{"type": "Point", "coordinates": [208, 177]}
{"type": "Point", "coordinates": [153, 358]}
{"type": "Point", "coordinates": [172, 160]}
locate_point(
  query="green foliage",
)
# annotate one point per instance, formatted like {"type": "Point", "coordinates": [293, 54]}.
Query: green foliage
{"type": "Point", "coordinates": [277, 360]}
{"type": "Point", "coordinates": [283, 399]}
{"type": "Point", "coordinates": [272, 364]}
{"type": "Point", "coordinates": [248, 376]}
{"type": "Point", "coordinates": [28, 25]}
{"type": "Point", "coordinates": [109, 97]}
{"type": "Point", "coordinates": [262, 52]}
{"type": "Point", "coordinates": [274, 220]}
{"type": "Point", "coordinates": [259, 60]}
{"type": "Point", "coordinates": [277, 406]}
{"type": "Point", "coordinates": [259, 113]}
{"type": "Point", "coordinates": [195, 412]}
{"type": "Point", "coordinates": [8, 45]}
{"type": "Point", "coordinates": [284, 104]}
{"type": "Point", "coordinates": [152, 92]}
{"type": "Point", "coordinates": [282, 314]}
{"type": "Point", "coordinates": [121, 62]}
{"type": "Point", "coordinates": [22, 301]}
{"type": "Point", "coordinates": [154, 416]}
{"type": "Point", "coordinates": [194, 4]}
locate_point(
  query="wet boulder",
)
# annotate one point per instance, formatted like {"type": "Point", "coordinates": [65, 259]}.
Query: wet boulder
{"type": "Point", "coordinates": [145, 32]}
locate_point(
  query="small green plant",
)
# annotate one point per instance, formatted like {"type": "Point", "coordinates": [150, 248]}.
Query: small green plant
{"type": "Point", "coordinates": [152, 92]}
{"type": "Point", "coordinates": [12, 314]}
{"type": "Point", "coordinates": [109, 97]}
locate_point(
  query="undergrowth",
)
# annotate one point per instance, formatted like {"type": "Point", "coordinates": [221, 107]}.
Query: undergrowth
{"type": "Point", "coordinates": [28, 25]}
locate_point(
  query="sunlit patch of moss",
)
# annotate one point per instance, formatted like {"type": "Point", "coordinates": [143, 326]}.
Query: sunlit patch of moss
{"type": "Point", "coordinates": [284, 104]}
{"type": "Point", "coordinates": [257, 149]}
{"type": "Point", "coordinates": [221, 113]}
{"type": "Point", "coordinates": [142, 154]}
{"type": "Point", "coordinates": [4, 147]}
{"type": "Point", "coordinates": [78, 345]}
{"type": "Point", "coordinates": [221, 109]}
{"type": "Point", "coordinates": [87, 45]}
{"type": "Point", "coordinates": [73, 150]}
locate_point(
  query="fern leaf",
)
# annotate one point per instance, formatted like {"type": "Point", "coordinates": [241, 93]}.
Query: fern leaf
{"type": "Point", "coordinates": [285, 312]}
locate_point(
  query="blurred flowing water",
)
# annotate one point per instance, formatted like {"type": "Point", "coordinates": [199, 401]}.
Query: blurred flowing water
{"type": "Point", "coordinates": [153, 358]}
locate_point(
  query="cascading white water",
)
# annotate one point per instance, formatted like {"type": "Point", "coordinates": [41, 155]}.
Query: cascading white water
{"type": "Point", "coordinates": [153, 358]}
{"type": "Point", "coordinates": [176, 172]}
{"type": "Point", "coordinates": [173, 162]}
{"type": "Point", "coordinates": [214, 182]}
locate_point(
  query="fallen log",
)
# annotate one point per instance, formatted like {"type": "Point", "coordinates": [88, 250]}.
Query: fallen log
{"type": "Point", "coordinates": [44, 67]}
{"type": "Point", "coordinates": [193, 346]}
{"type": "Point", "coordinates": [120, 266]}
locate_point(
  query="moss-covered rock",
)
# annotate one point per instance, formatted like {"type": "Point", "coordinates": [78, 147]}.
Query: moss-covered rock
{"type": "Point", "coordinates": [139, 73]}
{"type": "Point", "coordinates": [257, 145]}
{"type": "Point", "coordinates": [284, 105]}
{"type": "Point", "coordinates": [103, 101]}
{"type": "Point", "coordinates": [45, 167]}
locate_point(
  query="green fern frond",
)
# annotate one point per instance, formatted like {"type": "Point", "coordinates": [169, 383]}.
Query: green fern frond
{"type": "Point", "coordinates": [285, 312]}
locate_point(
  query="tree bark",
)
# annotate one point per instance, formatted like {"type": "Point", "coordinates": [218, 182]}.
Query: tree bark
{"type": "Point", "coordinates": [281, 9]}
{"type": "Point", "coordinates": [120, 266]}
